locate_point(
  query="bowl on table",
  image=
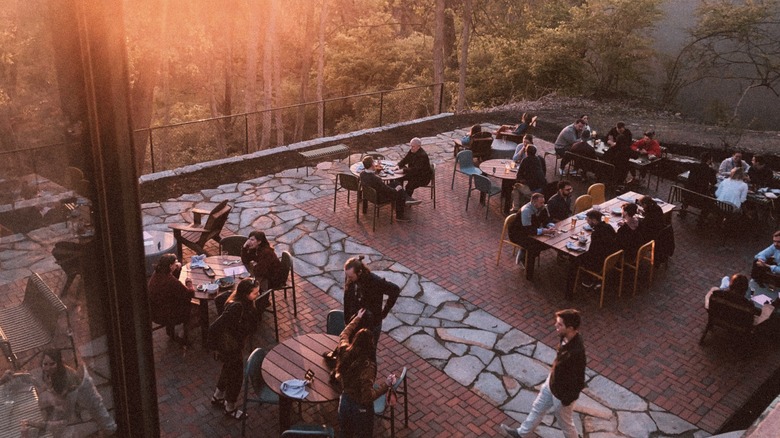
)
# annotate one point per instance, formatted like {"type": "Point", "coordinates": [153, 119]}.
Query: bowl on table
{"type": "Point", "coordinates": [226, 283]}
{"type": "Point", "coordinates": [211, 288]}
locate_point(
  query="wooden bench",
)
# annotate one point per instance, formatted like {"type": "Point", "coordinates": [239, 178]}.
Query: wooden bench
{"type": "Point", "coordinates": [31, 326]}
{"type": "Point", "coordinates": [705, 204]}
{"type": "Point", "coordinates": [605, 172]}
{"type": "Point", "coordinates": [314, 156]}
{"type": "Point", "coordinates": [737, 319]}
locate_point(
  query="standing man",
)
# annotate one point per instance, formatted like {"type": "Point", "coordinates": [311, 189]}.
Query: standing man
{"type": "Point", "coordinates": [532, 221]}
{"type": "Point", "coordinates": [365, 290]}
{"type": "Point", "coordinates": [559, 205]}
{"type": "Point", "coordinates": [417, 168]}
{"type": "Point", "coordinates": [566, 139]}
{"type": "Point", "coordinates": [563, 385]}
{"type": "Point", "coordinates": [368, 177]}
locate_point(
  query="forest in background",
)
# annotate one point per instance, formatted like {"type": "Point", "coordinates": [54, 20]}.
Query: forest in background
{"type": "Point", "coordinates": [198, 59]}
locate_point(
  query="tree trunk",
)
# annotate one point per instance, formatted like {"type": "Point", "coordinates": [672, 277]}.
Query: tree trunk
{"type": "Point", "coordinates": [277, 81]}
{"type": "Point", "coordinates": [308, 42]}
{"type": "Point", "coordinates": [321, 71]}
{"type": "Point", "coordinates": [268, 78]}
{"type": "Point", "coordinates": [251, 74]}
{"type": "Point", "coordinates": [438, 54]}
{"type": "Point", "coordinates": [465, 39]}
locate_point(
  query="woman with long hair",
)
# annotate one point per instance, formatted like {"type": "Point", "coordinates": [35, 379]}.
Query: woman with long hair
{"type": "Point", "coordinates": [259, 257]}
{"type": "Point", "coordinates": [236, 323]}
{"type": "Point", "coordinates": [169, 299]}
{"type": "Point", "coordinates": [356, 370]}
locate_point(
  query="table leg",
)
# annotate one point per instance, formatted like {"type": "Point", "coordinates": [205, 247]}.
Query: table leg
{"type": "Point", "coordinates": [285, 409]}
{"type": "Point", "coordinates": [203, 310]}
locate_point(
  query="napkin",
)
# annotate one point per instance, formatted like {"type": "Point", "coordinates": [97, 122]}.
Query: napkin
{"type": "Point", "coordinates": [575, 247]}
{"type": "Point", "coordinates": [659, 201]}
{"type": "Point", "coordinates": [581, 216]}
{"type": "Point", "coordinates": [626, 198]}
{"type": "Point", "coordinates": [294, 388]}
{"type": "Point", "coordinates": [198, 261]}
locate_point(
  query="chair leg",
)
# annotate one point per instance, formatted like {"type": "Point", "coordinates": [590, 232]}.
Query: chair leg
{"type": "Point", "coordinates": [276, 322]}
{"type": "Point", "coordinates": [468, 197]}
{"type": "Point", "coordinates": [603, 284]}
{"type": "Point", "coordinates": [335, 193]}
{"type": "Point", "coordinates": [295, 300]}
{"type": "Point", "coordinates": [500, 245]}
{"type": "Point", "coordinates": [454, 169]}
{"type": "Point", "coordinates": [487, 206]}
{"type": "Point", "coordinates": [636, 277]}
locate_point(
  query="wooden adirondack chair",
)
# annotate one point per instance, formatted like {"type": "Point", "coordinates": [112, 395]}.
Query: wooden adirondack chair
{"type": "Point", "coordinates": [195, 235]}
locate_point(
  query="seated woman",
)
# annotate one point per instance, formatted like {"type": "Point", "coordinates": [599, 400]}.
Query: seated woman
{"type": "Point", "coordinates": [260, 259]}
{"type": "Point", "coordinates": [521, 149]}
{"type": "Point", "coordinates": [653, 221]}
{"type": "Point", "coordinates": [475, 131]}
{"type": "Point", "coordinates": [526, 125]}
{"type": "Point", "coordinates": [734, 189]}
{"type": "Point", "coordinates": [62, 392]}
{"type": "Point", "coordinates": [734, 290]}
{"type": "Point", "coordinates": [629, 237]}
{"type": "Point", "coordinates": [169, 300]}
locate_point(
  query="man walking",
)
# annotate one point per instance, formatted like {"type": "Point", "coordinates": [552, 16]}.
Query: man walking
{"type": "Point", "coordinates": [563, 385]}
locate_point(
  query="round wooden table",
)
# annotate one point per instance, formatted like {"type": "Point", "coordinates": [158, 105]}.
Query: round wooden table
{"type": "Point", "coordinates": [198, 276]}
{"type": "Point", "coordinates": [290, 360]}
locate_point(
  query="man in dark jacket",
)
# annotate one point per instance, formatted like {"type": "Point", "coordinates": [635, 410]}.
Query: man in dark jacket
{"type": "Point", "coordinates": [416, 166]}
{"type": "Point", "coordinates": [532, 220]}
{"type": "Point", "coordinates": [559, 206]}
{"type": "Point", "coordinates": [369, 178]}
{"type": "Point", "coordinates": [365, 290]}
{"type": "Point", "coordinates": [563, 385]}
{"type": "Point", "coordinates": [602, 244]}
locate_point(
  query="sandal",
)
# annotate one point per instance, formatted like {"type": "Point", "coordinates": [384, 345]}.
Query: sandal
{"type": "Point", "coordinates": [236, 414]}
{"type": "Point", "coordinates": [217, 401]}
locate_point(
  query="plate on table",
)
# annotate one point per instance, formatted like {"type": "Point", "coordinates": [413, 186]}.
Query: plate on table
{"type": "Point", "coordinates": [587, 227]}
{"type": "Point", "coordinates": [226, 282]}
{"type": "Point", "coordinates": [617, 211]}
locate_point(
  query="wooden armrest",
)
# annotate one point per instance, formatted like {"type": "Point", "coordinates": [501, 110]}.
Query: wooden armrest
{"type": "Point", "coordinates": [180, 227]}
{"type": "Point", "coordinates": [200, 211]}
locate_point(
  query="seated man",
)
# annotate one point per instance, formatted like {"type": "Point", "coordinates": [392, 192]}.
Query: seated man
{"type": "Point", "coordinates": [730, 163]}
{"type": "Point", "coordinates": [618, 155]}
{"type": "Point", "coordinates": [559, 206]}
{"type": "Point", "coordinates": [566, 139]}
{"type": "Point", "coordinates": [602, 244]}
{"type": "Point", "coordinates": [765, 268]}
{"type": "Point", "coordinates": [619, 130]}
{"type": "Point", "coordinates": [629, 236]}
{"type": "Point", "coordinates": [760, 174]}
{"type": "Point", "coordinates": [531, 221]}
{"type": "Point", "coordinates": [646, 145]}
{"type": "Point", "coordinates": [702, 178]}
{"type": "Point", "coordinates": [532, 170]}
{"type": "Point", "coordinates": [583, 148]}
{"type": "Point", "coordinates": [169, 300]}
{"type": "Point", "coordinates": [735, 291]}
{"type": "Point", "coordinates": [416, 167]}
{"type": "Point", "coordinates": [369, 178]}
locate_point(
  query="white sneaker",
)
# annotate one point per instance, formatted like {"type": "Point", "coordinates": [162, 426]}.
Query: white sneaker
{"type": "Point", "coordinates": [520, 258]}
{"type": "Point", "coordinates": [412, 201]}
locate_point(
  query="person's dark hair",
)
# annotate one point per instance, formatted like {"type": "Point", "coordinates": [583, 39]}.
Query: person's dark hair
{"type": "Point", "coordinates": [583, 116]}
{"type": "Point", "coordinates": [580, 121]}
{"type": "Point", "coordinates": [59, 376]}
{"type": "Point", "coordinates": [570, 317]}
{"type": "Point", "coordinates": [650, 134]}
{"type": "Point", "coordinates": [706, 157]}
{"type": "Point", "coordinates": [261, 239]}
{"type": "Point", "coordinates": [357, 264]}
{"type": "Point", "coordinates": [526, 118]}
{"type": "Point", "coordinates": [528, 137]}
{"type": "Point", "coordinates": [241, 294]}
{"type": "Point", "coordinates": [776, 233]}
{"type": "Point", "coordinates": [476, 129]}
{"type": "Point", "coordinates": [360, 349]}
{"type": "Point", "coordinates": [368, 162]}
{"type": "Point", "coordinates": [563, 183]}
{"type": "Point", "coordinates": [620, 125]}
{"type": "Point", "coordinates": [646, 202]}
{"type": "Point", "coordinates": [594, 214]}
{"type": "Point", "coordinates": [530, 150]}
{"type": "Point", "coordinates": [759, 159]}
{"type": "Point", "coordinates": [738, 284]}
{"type": "Point", "coordinates": [630, 209]}
{"type": "Point", "coordinates": [163, 265]}
{"type": "Point", "coordinates": [586, 135]}
{"type": "Point", "coordinates": [737, 173]}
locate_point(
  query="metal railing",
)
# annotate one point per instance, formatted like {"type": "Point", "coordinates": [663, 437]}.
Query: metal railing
{"type": "Point", "coordinates": [181, 144]}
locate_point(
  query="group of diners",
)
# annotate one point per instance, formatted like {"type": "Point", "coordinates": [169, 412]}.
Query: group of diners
{"type": "Point", "coordinates": [737, 289]}
{"type": "Point", "coordinates": [537, 218]}
{"type": "Point", "coordinates": [415, 168]}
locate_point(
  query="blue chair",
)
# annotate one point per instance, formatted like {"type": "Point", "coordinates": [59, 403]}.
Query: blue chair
{"type": "Point", "coordinates": [253, 380]}
{"type": "Point", "coordinates": [380, 404]}
{"type": "Point", "coordinates": [465, 165]}
{"type": "Point", "coordinates": [335, 322]}
{"type": "Point", "coordinates": [482, 184]}
{"type": "Point", "coordinates": [309, 430]}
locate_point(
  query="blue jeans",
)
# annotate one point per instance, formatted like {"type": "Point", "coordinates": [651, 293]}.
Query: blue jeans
{"type": "Point", "coordinates": [355, 421]}
{"type": "Point", "coordinates": [543, 403]}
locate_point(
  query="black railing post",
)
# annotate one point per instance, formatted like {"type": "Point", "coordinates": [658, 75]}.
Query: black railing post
{"type": "Point", "coordinates": [151, 149]}
{"type": "Point", "coordinates": [381, 106]}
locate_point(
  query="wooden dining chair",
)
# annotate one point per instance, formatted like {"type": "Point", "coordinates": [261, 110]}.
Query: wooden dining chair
{"type": "Point", "coordinates": [505, 239]}
{"type": "Point", "coordinates": [645, 253]}
{"type": "Point", "coordinates": [598, 193]}
{"type": "Point", "coordinates": [613, 262]}
{"type": "Point", "coordinates": [583, 203]}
